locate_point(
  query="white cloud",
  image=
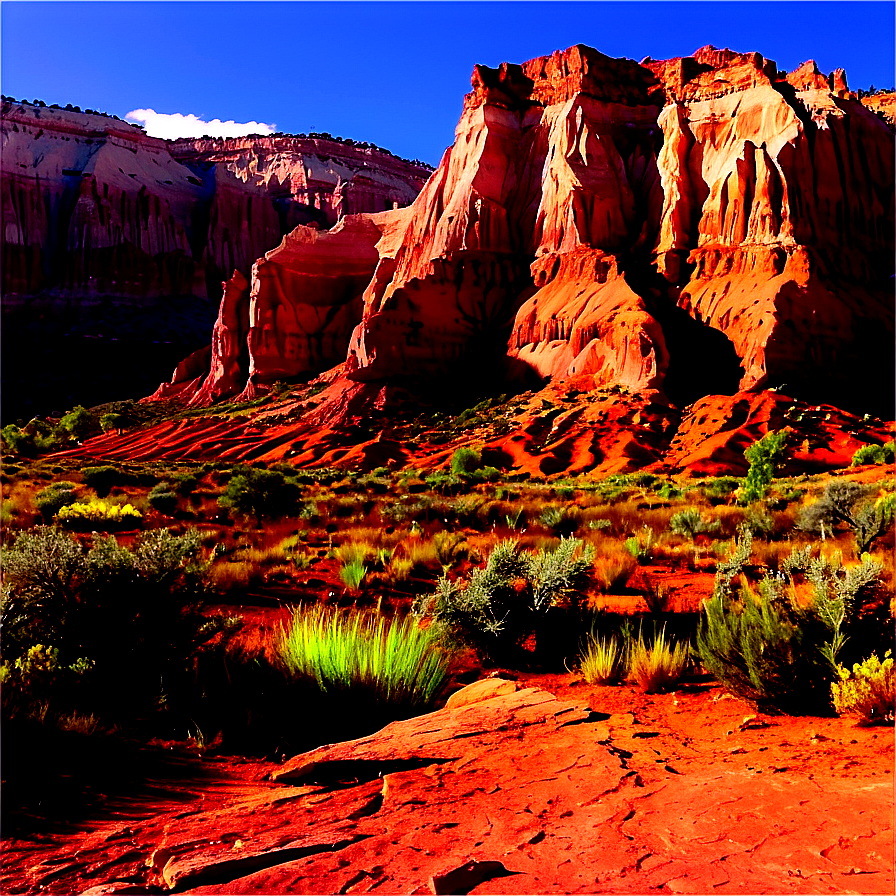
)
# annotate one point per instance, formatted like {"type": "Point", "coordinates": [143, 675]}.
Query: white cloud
{"type": "Point", "coordinates": [175, 125]}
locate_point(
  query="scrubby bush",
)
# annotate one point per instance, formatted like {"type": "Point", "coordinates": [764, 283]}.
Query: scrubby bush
{"type": "Point", "coordinates": [851, 504]}
{"type": "Point", "coordinates": [161, 498]}
{"type": "Point", "coordinates": [869, 691]}
{"type": "Point", "coordinates": [772, 651]}
{"type": "Point", "coordinates": [503, 604]}
{"type": "Point", "coordinates": [51, 500]}
{"type": "Point", "coordinates": [80, 423]}
{"type": "Point", "coordinates": [101, 479]}
{"type": "Point", "coordinates": [465, 461]}
{"type": "Point", "coordinates": [874, 454]}
{"type": "Point", "coordinates": [124, 624]}
{"type": "Point", "coordinates": [765, 456]}
{"type": "Point", "coordinates": [561, 520]}
{"type": "Point", "coordinates": [261, 494]}
{"type": "Point", "coordinates": [691, 523]}
{"type": "Point", "coordinates": [98, 515]}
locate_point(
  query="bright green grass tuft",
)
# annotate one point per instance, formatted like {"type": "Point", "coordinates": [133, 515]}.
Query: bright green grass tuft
{"type": "Point", "coordinates": [394, 661]}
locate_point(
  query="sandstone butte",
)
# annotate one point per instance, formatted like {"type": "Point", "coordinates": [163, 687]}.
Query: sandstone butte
{"type": "Point", "coordinates": [706, 235]}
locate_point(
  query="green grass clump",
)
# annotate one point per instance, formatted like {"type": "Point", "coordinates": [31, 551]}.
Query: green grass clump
{"type": "Point", "coordinates": [391, 661]}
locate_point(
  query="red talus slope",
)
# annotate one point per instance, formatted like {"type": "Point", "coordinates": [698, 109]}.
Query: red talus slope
{"type": "Point", "coordinates": [779, 192]}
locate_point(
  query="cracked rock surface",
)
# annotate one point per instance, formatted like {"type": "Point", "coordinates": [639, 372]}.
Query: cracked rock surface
{"type": "Point", "coordinates": [515, 789]}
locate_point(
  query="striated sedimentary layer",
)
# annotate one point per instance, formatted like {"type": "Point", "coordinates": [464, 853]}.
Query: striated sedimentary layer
{"type": "Point", "coordinates": [99, 217]}
{"type": "Point", "coordinates": [681, 228]}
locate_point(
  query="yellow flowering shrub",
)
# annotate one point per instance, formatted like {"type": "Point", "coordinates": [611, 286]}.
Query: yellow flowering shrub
{"type": "Point", "coordinates": [869, 690]}
{"type": "Point", "coordinates": [99, 514]}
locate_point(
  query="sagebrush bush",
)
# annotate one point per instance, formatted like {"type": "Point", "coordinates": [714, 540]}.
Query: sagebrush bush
{"type": "Point", "coordinates": [690, 523]}
{"type": "Point", "coordinates": [163, 499]}
{"type": "Point", "coordinates": [130, 620]}
{"type": "Point", "coordinates": [503, 604]}
{"type": "Point", "coordinates": [874, 454]}
{"type": "Point", "coordinates": [261, 494]}
{"type": "Point", "coordinates": [771, 649]}
{"type": "Point", "coordinates": [51, 500]}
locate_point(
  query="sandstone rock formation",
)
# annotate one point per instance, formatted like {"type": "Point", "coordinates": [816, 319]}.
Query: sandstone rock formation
{"type": "Point", "coordinates": [509, 789]}
{"type": "Point", "coordinates": [694, 226]}
{"type": "Point", "coordinates": [93, 206]}
{"type": "Point", "coordinates": [99, 217]}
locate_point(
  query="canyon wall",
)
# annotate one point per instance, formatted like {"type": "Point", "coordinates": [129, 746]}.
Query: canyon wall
{"type": "Point", "coordinates": [124, 240]}
{"type": "Point", "coordinates": [682, 228]}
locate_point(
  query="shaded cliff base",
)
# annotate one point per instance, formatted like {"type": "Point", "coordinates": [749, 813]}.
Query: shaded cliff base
{"type": "Point", "coordinates": [60, 352]}
{"type": "Point", "coordinates": [566, 428]}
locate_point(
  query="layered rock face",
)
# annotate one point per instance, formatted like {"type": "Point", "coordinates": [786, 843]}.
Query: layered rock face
{"type": "Point", "coordinates": [92, 206]}
{"type": "Point", "coordinates": [99, 216]}
{"type": "Point", "coordinates": [682, 228]}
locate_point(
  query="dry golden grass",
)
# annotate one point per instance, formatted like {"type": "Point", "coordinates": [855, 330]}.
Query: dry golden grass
{"type": "Point", "coordinates": [612, 573]}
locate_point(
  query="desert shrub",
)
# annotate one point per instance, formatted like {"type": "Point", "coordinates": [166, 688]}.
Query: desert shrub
{"type": "Point", "coordinates": [874, 454]}
{"type": "Point", "coordinates": [766, 651]}
{"type": "Point", "coordinates": [759, 523]}
{"type": "Point", "coordinates": [101, 479]}
{"type": "Point", "coordinates": [80, 423]}
{"type": "Point", "coordinates": [690, 523]}
{"type": "Point", "coordinates": [392, 662]}
{"type": "Point", "coordinates": [560, 520]}
{"type": "Point", "coordinates": [185, 484]}
{"type": "Point", "coordinates": [721, 487]}
{"type": "Point", "coordinates": [602, 661]}
{"type": "Point", "coordinates": [111, 422]}
{"type": "Point", "coordinates": [851, 504]}
{"type": "Point", "coordinates": [161, 498]}
{"type": "Point", "coordinates": [261, 494]}
{"type": "Point", "coordinates": [869, 691]}
{"type": "Point", "coordinates": [768, 648]}
{"type": "Point", "coordinates": [51, 500]}
{"type": "Point", "coordinates": [765, 456]}
{"type": "Point", "coordinates": [465, 461]}
{"type": "Point", "coordinates": [657, 666]}
{"type": "Point", "coordinates": [640, 546]}
{"type": "Point", "coordinates": [98, 515]}
{"type": "Point", "coordinates": [498, 607]}
{"type": "Point", "coordinates": [125, 624]}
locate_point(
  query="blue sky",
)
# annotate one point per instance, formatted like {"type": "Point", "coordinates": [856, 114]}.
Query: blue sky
{"type": "Point", "coordinates": [391, 73]}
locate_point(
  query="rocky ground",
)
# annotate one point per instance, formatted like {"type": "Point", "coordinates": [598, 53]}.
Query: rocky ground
{"type": "Point", "coordinates": [540, 785]}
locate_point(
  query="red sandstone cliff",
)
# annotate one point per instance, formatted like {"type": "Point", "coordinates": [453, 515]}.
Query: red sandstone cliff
{"type": "Point", "coordinates": [92, 206]}
{"type": "Point", "coordinates": [697, 225]}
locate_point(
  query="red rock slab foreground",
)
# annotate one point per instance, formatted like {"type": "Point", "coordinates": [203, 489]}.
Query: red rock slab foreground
{"type": "Point", "coordinates": [511, 790]}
